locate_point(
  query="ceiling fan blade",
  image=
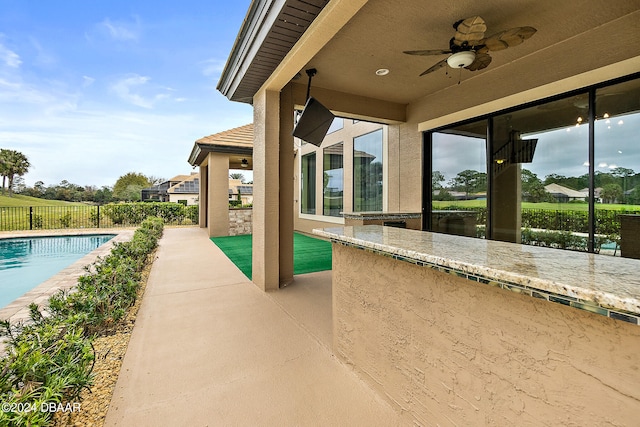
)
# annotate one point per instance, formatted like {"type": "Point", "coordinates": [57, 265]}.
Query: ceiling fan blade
{"type": "Point", "coordinates": [469, 31]}
{"type": "Point", "coordinates": [508, 38]}
{"type": "Point", "coordinates": [427, 52]}
{"type": "Point", "coordinates": [437, 66]}
{"type": "Point", "coordinates": [482, 61]}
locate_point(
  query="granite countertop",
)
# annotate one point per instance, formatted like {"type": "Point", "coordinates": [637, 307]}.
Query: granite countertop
{"type": "Point", "coordinates": [600, 279]}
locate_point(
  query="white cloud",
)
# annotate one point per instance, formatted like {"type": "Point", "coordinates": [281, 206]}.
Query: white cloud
{"type": "Point", "coordinates": [87, 81]}
{"type": "Point", "coordinates": [138, 90]}
{"type": "Point", "coordinates": [9, 57]}
{"type": "Point", "coordinates": [125, 87]}
{"type": "Point", "coordinates": [122, 31]}
{"type": "Point", "coordinates": [212, 67]}
{"type": "Point", "coordinates": [43, 57]}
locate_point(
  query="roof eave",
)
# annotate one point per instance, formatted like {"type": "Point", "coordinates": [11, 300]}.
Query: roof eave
{"type": "Point", "coordinates": [268, 33]}
{"type": "Point", "coordinates": [195, 156]}
{"type": "Point", "coordinates": [253, 32]}
{"type": "Point", "coordinates": [200, 151]}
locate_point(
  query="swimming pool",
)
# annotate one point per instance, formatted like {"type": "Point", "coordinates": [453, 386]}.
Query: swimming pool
{"type": "Point", "coordinates": [27, 262]}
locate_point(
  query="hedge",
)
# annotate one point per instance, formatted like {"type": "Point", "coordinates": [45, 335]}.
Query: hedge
{"type": "Point", "coordinates": [135, 213]}
{"type": "Point", "coordinates": [49, 360]}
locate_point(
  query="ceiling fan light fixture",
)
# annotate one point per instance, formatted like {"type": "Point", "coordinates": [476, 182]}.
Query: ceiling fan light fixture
{"type": "Point", "coordinates": [461, 59]}
{"type": "Point", "coordinates": [244, 163]}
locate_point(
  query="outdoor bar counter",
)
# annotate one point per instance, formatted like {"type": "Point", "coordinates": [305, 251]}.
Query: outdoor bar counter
{"type": "Point", "coordinates": [458, 330]}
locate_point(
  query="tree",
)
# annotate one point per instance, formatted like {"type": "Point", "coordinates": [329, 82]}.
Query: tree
{"type": "Point", "coordinates": [533, 189]}
{"type": "Point", "coordinates": [128, 184]}
{"type": "Point", "coordinates": [102, 196]}
{"type": "Point", "coordinates": [634, 197]}
{"type": "Point", "coordinates": [623, 175]}
{"type": "Point", "coordinates": [469, 181]}
{"type": "Point", "coordinates": [12, 164]}
{"type": "Point", "coordinates": [611, 193]}
{"type": "Point", "coordinates": [436, 178]}
{"type": "Point", "coordinates": [237, 176]}
{"type": "Point", "coordinates": [133, 193]}
{"type": "Point", "coordinates": [155, 180]}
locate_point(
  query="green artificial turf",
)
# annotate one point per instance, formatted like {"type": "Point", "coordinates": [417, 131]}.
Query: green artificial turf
{"type": "Point", "coordinates": [309, 254]}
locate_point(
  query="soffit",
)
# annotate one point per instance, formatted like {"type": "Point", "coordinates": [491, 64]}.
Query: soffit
{"type": "Point", "coordinates": [269, 31]}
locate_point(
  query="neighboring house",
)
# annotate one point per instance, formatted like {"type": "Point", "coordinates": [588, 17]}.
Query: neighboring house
{"type": "Point", "coordinates": [187, 191]}
{"type": "Point", "coordinates": [596, 193]}
{"type": "Point", "coordinates": [564, 194]}
{"type": "Point", "coordinates": [179, 189]}
{"type": "Point", "coordinates": [238, 189]}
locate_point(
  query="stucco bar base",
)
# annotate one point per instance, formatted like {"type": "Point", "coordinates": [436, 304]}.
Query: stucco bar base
{"type": "Point", "coordinates": [448, 351]}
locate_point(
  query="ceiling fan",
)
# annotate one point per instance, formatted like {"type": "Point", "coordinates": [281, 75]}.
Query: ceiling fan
{"type": "Point", "coordinates": [469, 48]}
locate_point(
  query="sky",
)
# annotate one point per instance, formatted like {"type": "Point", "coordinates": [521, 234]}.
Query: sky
{"type": "Point", "coordinates": [92, 90]}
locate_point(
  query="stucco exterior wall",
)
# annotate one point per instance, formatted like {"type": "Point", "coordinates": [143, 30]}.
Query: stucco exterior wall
{"type": "Point", "coordinates": [448, 351]}
{"type": "Point", "coordinates": [192, 199]}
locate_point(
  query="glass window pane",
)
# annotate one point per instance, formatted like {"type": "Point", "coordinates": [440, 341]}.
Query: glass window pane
{"type": "Point", "coordinates": [544, 149]}
{"type": "Point", "coordinates": [459, 180]}
{"type": "Point", "coordinates": [367, 172]}
{"type": "Point", "coordinates": [308, 183]}
{"type": "Point", "coordinates": [617, 164]}
{"type": "Point", "coordinates": [333, 179]}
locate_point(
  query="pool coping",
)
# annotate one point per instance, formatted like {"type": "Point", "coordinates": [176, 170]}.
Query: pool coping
{"type": "Point", "coordinates": [67, 278]}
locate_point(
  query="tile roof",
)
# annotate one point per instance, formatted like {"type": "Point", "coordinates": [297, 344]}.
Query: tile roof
{"type": "Point", "coordinates": [237, 137]}
{"type": "Point", "coordinates": [233, 141]}
{"type": "Point", "coordinates": [189, 185]}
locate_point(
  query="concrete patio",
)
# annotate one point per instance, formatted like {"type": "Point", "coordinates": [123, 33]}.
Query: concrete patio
{"type": "Point", "coordinates": [210, 348]}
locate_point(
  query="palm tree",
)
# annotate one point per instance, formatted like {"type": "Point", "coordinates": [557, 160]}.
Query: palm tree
{"type": "Point", "coordinates": [12, 163]}
{"type": "Point", "coordinates": [237, 176]}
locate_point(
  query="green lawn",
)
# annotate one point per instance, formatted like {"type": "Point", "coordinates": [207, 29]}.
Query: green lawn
{"type": "Point", "coordinates": [21, 201]}
{"type": "Point", "coordinates": [309, 254]}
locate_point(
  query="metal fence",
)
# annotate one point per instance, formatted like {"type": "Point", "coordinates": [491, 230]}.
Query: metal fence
{"type": "Point", "coordinates": [59, 217]}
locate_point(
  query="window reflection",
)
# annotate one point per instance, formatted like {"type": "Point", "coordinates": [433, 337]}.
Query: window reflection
{"type": "Point", "coordinates": [459, 180]}
{"type": "Point", "coordinates": [308, 183]}
{"type": "Point", "coordinates": [617, 164]}
{"type": "Point", "coordinates": [333, 179]}
{"type": "Point", "coordinates": [367, 172]}
{"type": "Point", "coordinates": [540, 189]}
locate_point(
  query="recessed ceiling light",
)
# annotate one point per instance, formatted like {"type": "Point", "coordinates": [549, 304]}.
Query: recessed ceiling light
{"type": "Point", "coordinates": [382, 72]}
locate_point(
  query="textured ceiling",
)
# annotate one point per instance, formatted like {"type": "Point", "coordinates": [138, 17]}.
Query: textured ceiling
{"type": "Point", "coordinates": [568, 40]}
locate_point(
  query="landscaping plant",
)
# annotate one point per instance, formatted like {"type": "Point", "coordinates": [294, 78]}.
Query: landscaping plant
{"type": "Point", "coordinates": [49, 360]}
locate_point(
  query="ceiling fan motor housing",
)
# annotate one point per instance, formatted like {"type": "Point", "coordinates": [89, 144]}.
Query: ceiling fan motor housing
{"type": "Point", "coordinates": [461, 59]}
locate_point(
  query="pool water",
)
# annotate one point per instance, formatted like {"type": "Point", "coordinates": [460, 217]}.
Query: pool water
{"type": "Point", "coordinates": [27, 262]}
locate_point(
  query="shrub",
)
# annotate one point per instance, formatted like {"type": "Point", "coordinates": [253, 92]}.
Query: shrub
{"type": "Point", "coordinates": [37, 221]}
{"type": "Point", "coordinates": [135, 213]}
{"type": "Point", "coordinates": [47, 361]}
{"type": "Point", "coordinates": [50, 359]}
{"type": "Point", "coordinates": [65, 220]}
